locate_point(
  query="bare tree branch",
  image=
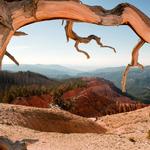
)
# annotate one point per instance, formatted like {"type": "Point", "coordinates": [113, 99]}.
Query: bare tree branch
{"type": "Point", "coordinates": [72, 35]}
{"type": "Point", "coordinates": [20, 33]}
{"type": "Point", "coordinates": [134, 63]}
{"type": "Point", "coordinates": [12, 58]}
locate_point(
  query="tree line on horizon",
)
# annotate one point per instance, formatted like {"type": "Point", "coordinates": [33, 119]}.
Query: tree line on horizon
{"type": "Point", "coordinates": [26, 84]}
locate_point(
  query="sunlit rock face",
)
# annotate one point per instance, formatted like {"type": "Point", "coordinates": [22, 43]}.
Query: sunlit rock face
{"type": "Point", "coordinates": [100, 97]}
{"type": "Point", "coordinates": [42, 101]}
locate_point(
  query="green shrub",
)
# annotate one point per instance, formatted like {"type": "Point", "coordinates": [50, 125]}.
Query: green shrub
{"type": "Point", "coordinates": [10, 93]}
{"type": "Point", "coordinates": [22, 91]}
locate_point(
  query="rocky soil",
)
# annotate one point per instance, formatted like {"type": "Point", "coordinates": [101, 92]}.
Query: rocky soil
{"type": "Point", "coordinates": [54, 129]}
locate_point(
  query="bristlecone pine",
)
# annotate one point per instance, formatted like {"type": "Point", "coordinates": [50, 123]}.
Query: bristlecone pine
{"type": "Point", "coordinates": [15, 14]}
{"type": "Point", "coordinates": [7, 144]}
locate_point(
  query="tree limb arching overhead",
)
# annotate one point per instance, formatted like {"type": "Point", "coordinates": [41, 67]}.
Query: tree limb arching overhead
{"type": "Point", "coordinates": [15, 14]}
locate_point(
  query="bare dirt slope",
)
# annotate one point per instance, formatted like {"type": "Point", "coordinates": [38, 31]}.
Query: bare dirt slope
{"type": "Point", "coordinates": [124, 131]}
{"type": "Point", "coordinates": [47, 120]}
{"type": "Point", "coordinates": [135, 124]}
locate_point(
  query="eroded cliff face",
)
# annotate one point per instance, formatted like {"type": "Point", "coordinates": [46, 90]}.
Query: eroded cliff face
{"type": "Point", "coordinates": [42, 101]}
{"type": "Point", "coordinates": [97, 98]}
{"type": "Point", "coordinates": [100, 97]}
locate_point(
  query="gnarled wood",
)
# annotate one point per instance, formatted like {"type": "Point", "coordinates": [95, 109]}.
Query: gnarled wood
{"type": "Point", "coordinates": [12, 58]}
{"type": "Point", "coordinates": [17, 33]}
{"type": "Point", "coordinates": [72, 35]}
{"type": "Point", "coordinates": [7, 144]}
{"type": "Point", "coordinates": [134, 63]}
{"type": "Point", "coordinates": [20, 33]}
{"type": "Point", "coordinates": [15, 14]}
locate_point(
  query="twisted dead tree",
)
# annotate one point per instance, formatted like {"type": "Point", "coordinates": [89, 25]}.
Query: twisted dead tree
{"type": "Point", "coordinates": [17, 33]}
{"type": "Point", "coordinates": [72, 35]}
{"type": "Point", "coordinates": [15, 14]}
{"type": "Point", "coordinates": [7, 144]}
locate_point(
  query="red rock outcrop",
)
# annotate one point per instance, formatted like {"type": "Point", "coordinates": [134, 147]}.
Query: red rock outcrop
{"type": "Point", "coordinates": [42, 101]}
{"type": "Point", "coordinates": [100, 97]}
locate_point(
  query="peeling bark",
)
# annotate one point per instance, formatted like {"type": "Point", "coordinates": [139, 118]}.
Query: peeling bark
{"type": "Point", "coordinates": [15, 14]}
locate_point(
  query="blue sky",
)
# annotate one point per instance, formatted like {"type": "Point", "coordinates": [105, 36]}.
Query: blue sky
{"type": "Point", "coordinates": [46, 42]}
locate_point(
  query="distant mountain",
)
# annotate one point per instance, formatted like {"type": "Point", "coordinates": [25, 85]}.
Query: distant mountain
{"type": "Point", "coordinates": [138, 81]}
{"type": "Point", "coordinates": [51, 71]}
{"type": "Point", "coordinates": [16, 84]}
{"type": "Point", "coordinates": [87, 97]}
{"type": "Point", "coordinates": [20, 78]}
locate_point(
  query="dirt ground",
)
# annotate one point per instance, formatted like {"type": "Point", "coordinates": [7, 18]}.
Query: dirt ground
{"type": "Point", "coordinates": [118, 132]}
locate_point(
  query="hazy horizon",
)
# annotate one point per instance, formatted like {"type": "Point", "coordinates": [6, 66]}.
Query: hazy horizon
{"type": "Point", "coordinates": [69, 66]}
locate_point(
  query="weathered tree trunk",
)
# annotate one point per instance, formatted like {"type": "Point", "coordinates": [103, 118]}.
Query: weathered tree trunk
{"type": "Point", "coordinates": [15, 14]}
{"type": "Point", "coordinates": [7, 144]}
